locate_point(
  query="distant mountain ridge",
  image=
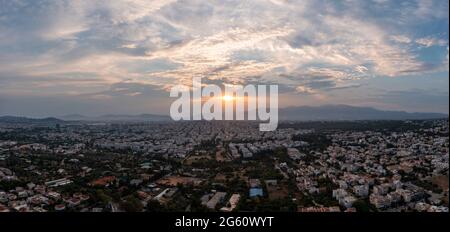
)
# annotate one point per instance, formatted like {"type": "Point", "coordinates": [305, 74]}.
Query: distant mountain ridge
{"type": "Point", "coordinates": [18, 120]}
{"type": "Point", "coordinates": [301, 113]}
{"type": "Point", "coordinates": [349, 113]}
{"type": "Point", "coordinates": [117, 118]}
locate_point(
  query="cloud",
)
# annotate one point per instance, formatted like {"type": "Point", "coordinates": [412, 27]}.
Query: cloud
{"type": "Point", "coordinates": [134, 94]}
{"type": "Point", "coordinates": [314, 44]}
{"type": "Point", "coordinates": [427, 9]}
{"type": "Point", "coordinates": [429, 42]}
{"type": "Point", "coordinates": [248, 39]}
{"type": "Point", "coordinates": [401, 39]}
{"type": "Point", "coordinates": [129, 46]}
{"type": "Point", "coordinates": [304, 90]}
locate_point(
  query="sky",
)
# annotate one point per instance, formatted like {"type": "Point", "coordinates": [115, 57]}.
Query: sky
{"type": "Point", "coordinates": [94, 57]}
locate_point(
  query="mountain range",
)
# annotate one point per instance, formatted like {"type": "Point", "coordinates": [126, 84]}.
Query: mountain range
{"type": "Point", "coordinates": [301, 113]}
{"type": "Point", "coordinates": [116, 118]}
{"type": "Point", "coordinates": [25, 120]}
{"type": "Point", "coordinates": [349, 113]}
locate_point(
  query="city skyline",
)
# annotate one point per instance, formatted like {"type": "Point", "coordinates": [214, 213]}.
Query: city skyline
{"type": "Point", "coordinates": [121, 57]}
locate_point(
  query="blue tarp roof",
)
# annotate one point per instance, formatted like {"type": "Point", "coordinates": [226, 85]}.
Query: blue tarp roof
{"type": "Point", "coordinates": [255, 192]}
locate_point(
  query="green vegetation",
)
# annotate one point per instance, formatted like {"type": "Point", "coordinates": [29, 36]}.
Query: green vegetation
{"type": "Point", "coordinates": [131, 204]}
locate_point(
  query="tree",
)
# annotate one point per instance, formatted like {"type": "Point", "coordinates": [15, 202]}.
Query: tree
{"type": "Point", "coordinates": [103, 197]}
{"type": "Point", "coordinates": [131, 204]}
{"type": "Point", "coordinates": [362, 206]}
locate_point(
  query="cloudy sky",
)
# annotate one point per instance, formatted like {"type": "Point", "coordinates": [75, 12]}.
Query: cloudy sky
{"type": "Point", "coordinates": [97, 57]}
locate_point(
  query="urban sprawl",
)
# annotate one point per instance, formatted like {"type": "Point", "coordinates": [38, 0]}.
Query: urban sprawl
{"type": "Point", "coordinates": [363, 166]}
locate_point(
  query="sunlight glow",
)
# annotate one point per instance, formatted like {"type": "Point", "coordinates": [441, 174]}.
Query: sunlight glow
{"type": "Point", "coordinates": [227, 98]}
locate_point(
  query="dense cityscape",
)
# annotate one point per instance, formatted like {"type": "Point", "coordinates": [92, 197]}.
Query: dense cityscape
{"type": "Point", "coordinates": [347, 166]}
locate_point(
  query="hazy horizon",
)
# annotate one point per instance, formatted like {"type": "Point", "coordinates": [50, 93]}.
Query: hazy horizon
{"type": "Point", "coordinates": [168, 114]}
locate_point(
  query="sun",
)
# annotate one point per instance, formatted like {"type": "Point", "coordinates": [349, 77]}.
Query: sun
{"type": "Point", "coordinates": [227, 98]}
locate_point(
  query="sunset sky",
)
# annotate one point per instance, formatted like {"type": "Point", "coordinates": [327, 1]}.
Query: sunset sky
{"type": "Point", "coordinates": [96, 57]}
